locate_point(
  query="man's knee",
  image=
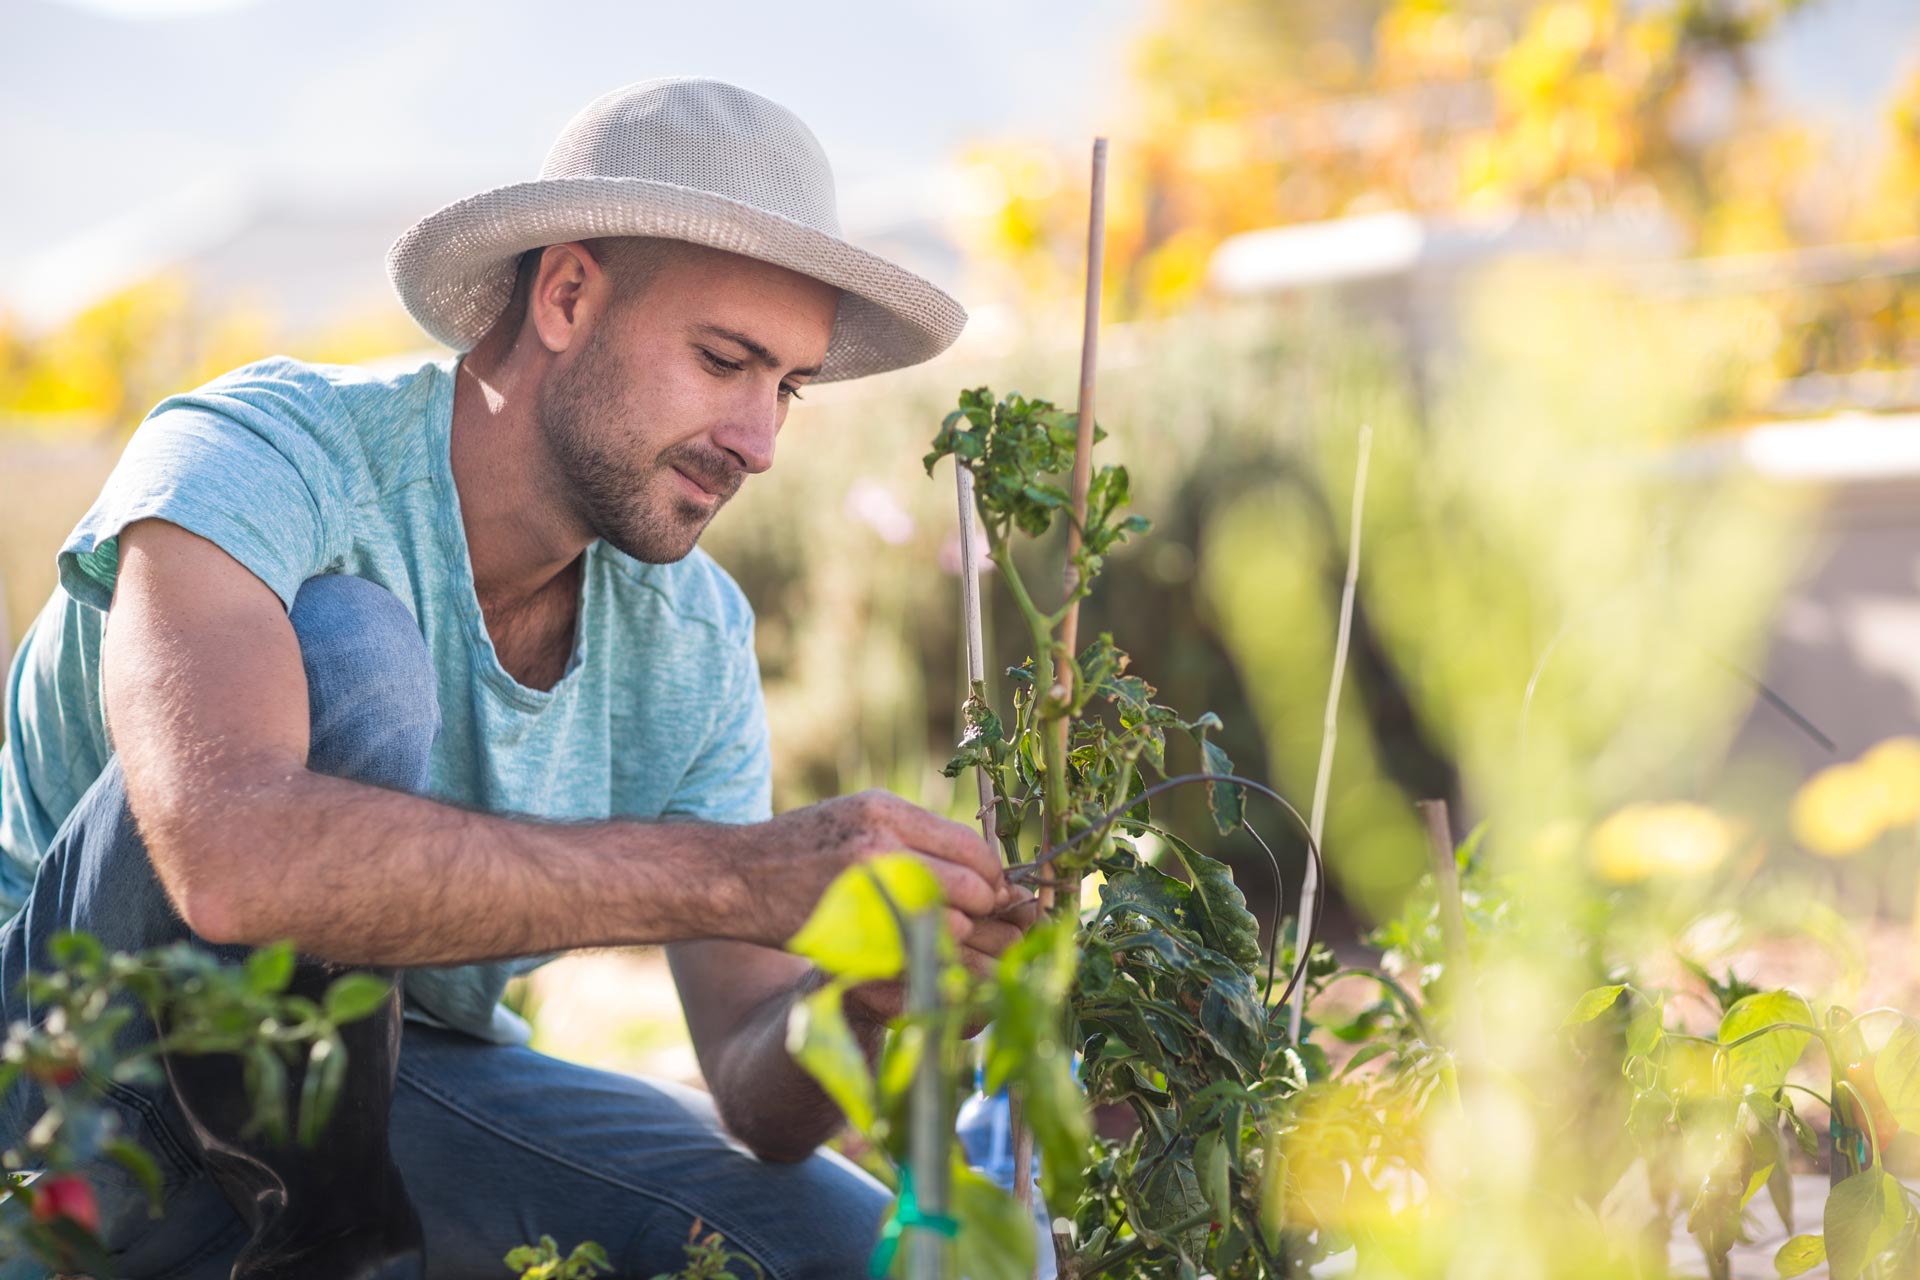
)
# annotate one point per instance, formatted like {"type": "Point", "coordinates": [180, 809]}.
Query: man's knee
{"type": "Point", "coordinates": [371, 690]}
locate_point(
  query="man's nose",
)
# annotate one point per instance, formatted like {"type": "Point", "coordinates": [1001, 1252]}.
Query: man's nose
{"type": "Point", "coordinates": [748, 434]}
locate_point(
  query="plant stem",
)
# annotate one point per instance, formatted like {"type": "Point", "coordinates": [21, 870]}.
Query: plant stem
{"type": "Point", "coordinates": [1400, 994]}
{"type": "Point", "coordinates": [1330, 731]}
{"type": "Point", "coordinates": [1108, 1261]}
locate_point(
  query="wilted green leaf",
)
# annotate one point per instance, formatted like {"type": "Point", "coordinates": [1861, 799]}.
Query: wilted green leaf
{"type": "Point", "coordinates": [1763, 1062]}
{"type": "Point", "coordinates": [1217, 907]}
{"type": "Point", "coordinates": [1226, 800]}
{"type": "Point", "coordinates": [852, 932]}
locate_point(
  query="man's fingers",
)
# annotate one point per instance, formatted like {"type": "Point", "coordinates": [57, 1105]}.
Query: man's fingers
{"type": "Point", "coordinates": [964, 890]}
{"type": "Point", "coordinates": [943, 838]}
{"type": "Point", "coordinates": [991, 937]}
{"type": "Point", "coordinates": [960, 925]}
{"type": "Point", "coordinates": [1022, 909]}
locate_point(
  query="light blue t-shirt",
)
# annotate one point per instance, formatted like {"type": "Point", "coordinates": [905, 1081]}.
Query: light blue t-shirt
{"type": "Point", "coordinates": [296, 470]}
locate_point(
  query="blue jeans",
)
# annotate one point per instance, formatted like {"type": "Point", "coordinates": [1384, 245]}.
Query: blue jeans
{"type": "Point", "coordinates": [498, 1145]}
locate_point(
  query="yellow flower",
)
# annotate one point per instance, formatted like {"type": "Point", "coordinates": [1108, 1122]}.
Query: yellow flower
{"type": "Point", "coordinates": [1895, 766]}
{"type": "Point", "coordinates": [1645, 840]}
{"type": "Point", "coordinates": [1839, 811]}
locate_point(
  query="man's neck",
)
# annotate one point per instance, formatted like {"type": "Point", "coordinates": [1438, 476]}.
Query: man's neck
{"type": "Point", "coordinates": [520, 538]}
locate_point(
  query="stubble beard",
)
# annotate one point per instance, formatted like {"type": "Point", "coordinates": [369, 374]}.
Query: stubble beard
{"type": "Point", "coordinates": [635, 507]}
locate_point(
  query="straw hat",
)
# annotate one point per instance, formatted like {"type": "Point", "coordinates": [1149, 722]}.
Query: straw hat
{"type": "Point", "coordinates": [684, 158]}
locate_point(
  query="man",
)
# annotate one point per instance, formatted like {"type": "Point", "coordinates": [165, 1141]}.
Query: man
{"type": "Point", "coordinates": [410, 670]}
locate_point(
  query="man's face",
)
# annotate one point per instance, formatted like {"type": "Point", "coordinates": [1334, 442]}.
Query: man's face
{"type": "Point", "coordinates": [677, 395]}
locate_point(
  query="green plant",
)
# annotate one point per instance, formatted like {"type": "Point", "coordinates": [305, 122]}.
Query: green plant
{"type": "Point", "coordinates": [1156, 990]}
{"type": "Point", "coordinates": [1721, 1110]}
{"type": "Point", "coordinates": [544, 1261]}
{"type": "Point", "coordinates": [74, 1049]}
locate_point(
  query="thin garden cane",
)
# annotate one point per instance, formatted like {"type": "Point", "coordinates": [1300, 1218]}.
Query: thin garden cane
{"type": "Point", "coordinates": [989, 815]}
{"type": "Point", "coordinates": [1310, 890]}
{"type": "Point", "coordinates": [928, 1120]}
{"type": "Point", "coordinates": [1055, 821]}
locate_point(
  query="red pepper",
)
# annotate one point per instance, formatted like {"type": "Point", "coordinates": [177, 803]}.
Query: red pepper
{"type": "Point", "coordinates": [65, 1195]}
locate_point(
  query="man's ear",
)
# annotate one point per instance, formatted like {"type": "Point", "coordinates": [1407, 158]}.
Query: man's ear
{"type": "Point", "coordinates": [571, 293]}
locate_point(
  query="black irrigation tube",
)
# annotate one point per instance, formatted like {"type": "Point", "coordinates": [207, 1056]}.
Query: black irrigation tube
{"type": "Point", "coordinates": [1027, 871]}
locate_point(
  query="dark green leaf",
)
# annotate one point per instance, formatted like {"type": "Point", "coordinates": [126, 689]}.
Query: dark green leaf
{"type": "Point", "coordinates": [1218, 908]}
{"type": "Point", "coordinates": [355, 996]}
{"type": "Point", "coordinates": [270, 969]}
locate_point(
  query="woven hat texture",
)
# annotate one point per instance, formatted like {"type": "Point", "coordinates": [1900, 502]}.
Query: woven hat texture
{"type": "Point", "coordinates": [685, 158]}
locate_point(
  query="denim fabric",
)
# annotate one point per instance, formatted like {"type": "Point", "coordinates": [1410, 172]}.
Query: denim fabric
{"type": "Point", "coordinates": [498, 1144]}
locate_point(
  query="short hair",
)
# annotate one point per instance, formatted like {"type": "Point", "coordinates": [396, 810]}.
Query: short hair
{"type": "Point", "coordinates": [633, 262]}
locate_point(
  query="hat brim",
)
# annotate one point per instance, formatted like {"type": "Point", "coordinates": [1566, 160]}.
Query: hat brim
{"type": "Point", "coordinates": [454, 269]}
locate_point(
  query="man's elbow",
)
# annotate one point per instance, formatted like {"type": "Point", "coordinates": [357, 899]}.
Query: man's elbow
{"type": "Point", "coordinates": [199, 854]}
{"type": "Point", "coordinates": [201, 891]}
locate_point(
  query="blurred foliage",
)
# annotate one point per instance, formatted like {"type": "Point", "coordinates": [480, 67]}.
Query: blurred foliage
{"type": "Point", "coordinates": [1646, 117]}
{"type": "Point", "coordinates": [1252, 114]}
{"type": "Point", "coordinates": [102, 369]}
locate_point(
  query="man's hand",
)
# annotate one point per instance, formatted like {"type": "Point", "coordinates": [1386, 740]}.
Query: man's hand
{"type": "Point", "coordinates": [881, 1002]}
{"type": "Point", "coordinates": [788, 863]}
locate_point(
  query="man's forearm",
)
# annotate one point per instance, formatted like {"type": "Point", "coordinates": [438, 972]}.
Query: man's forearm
{"type": "Point", "coordinates": [362, 875]}
{"type": "Point", "coordinates": [769, 1101]}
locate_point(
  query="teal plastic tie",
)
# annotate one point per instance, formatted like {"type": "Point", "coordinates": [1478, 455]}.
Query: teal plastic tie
{"type": "Point", "coordinates": [907, 1213]}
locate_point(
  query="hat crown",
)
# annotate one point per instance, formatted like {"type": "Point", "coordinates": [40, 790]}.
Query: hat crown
{"type": "Point", "coordinates": [704, 135]}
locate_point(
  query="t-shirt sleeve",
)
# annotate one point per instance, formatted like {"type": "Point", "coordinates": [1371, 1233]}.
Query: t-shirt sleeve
{"type": "Point", "coordinates": [236, 469]}
{"type": "Point", "coordinates": [731, 780]}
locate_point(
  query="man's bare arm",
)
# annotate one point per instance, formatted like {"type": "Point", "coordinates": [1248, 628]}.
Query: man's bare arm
{"type": "Point", "coordinates": [207, 702]}
{"type": "Point", "coordinates": [738, 999]}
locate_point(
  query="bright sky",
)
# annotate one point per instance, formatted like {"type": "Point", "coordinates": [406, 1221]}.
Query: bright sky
{"type": "Point", "coordinates": [108, 105]}
{"type": "Point", "coordinates": [102, 108]}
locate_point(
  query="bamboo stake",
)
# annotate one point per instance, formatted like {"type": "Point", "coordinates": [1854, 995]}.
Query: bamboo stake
{"type": "Point", "coordinates": [930, 1126]}
{"type": "Point", "coordinates": [976, 636]}
{"type": "Point", "coordinates": [1330, 730]}
{"type": "Point", "coordinates": [1446, 885]}
{"type": "Point", "coordinates": [989, 813]}
{"type": "Point", "coordinates": [1082, 477]}
{"type": "Point", "coordinates": [1070, 582]}
{"type": "Point", "coordinates": [1089, 365]}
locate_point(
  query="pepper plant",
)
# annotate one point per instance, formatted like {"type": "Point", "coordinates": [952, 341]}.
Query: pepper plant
{"type": "Point", "coordinates": [74, 1050]}
{"type": "Point", "coordinates": [1729, 1096]}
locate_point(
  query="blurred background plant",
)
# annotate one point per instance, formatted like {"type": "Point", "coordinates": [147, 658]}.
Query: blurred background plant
{"type": "Point", "coordinates": [1626, 293]}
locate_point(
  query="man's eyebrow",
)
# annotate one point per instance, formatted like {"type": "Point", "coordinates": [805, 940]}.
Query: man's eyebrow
{"type": "Point", "coordinates": [756, 350]}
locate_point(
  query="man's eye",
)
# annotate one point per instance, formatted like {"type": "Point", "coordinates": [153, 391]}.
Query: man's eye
{"type": "Point", "coordinates": [718, 363]}
{"type": "Point", "coordinates": [790, 393]}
